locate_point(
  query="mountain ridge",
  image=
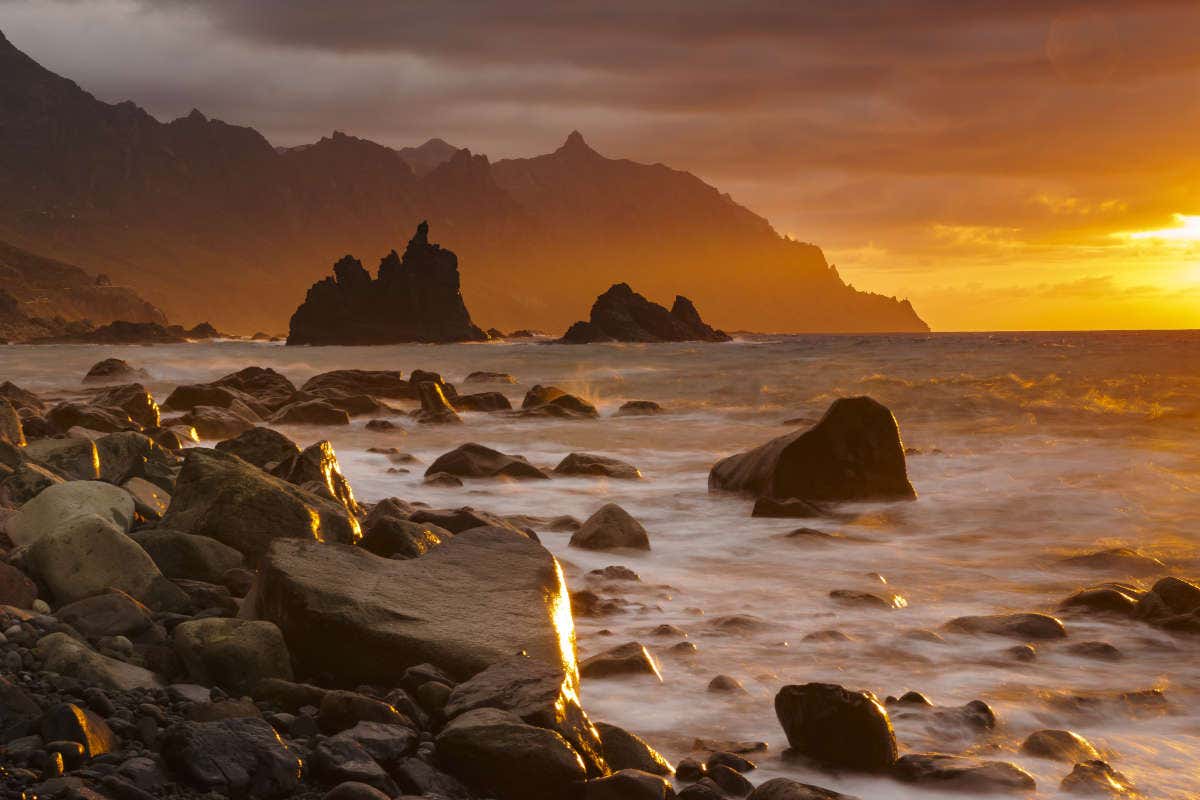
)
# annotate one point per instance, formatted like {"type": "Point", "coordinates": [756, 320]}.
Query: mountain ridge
{"type": "Point", "coordinates": [208, 219]}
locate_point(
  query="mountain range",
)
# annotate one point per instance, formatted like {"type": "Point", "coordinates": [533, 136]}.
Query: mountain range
{"type": "Point", "coordinates": [208, 220]}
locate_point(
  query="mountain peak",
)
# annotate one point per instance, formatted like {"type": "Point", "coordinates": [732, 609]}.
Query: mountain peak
{"type": "Point", "coordinates": [575, 144]}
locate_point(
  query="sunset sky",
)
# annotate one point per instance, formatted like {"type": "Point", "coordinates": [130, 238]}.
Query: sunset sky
{"type": "Point", "coordinates": [1005, 164]}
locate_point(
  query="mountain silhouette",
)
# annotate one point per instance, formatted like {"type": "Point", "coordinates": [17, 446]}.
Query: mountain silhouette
{"type": "Point", "coordinates": [208, 220]}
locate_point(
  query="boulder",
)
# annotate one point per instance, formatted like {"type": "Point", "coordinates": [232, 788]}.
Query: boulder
{"type": "Point", "coordinates": [1059, 745]}
{"type": "Point", "coordinates": [414, 299]}
{"type": "Point", "coordinates": [67, 722]}
{"type": "Point", "coordinates": [489, 377]}
{"type": "Point", "coordinates": [12, 429]}
{"type": "Point", "coordinates": [60, 653]}
{"type": "Point", "coordinates": [241, 757]}
{"type": "Point", "coordinates": [788, 789]}
{"type": "Point", "coordinates": [1015, 626]}
{"type": "Point", "coordinates": [1122, 560]}
{"type": "Point", "coordinates": [499, 755]}
{"type": "Point", "coordinates": [341, 710]}
{"type": "Point", "coordinates": [211, 422]}
{"type": "Point", "coordinates": [65, 416]}
{"type": "Point", "coordinates": [57, 505]}
{"type": "Point", "coordinates": [1096, 778]}
{"type": "Point", "coordinates": [234, 654]}
{"type": "Point", "coordinates": [318, 464]}
{"type": "Point", "coordinates": [853, 453]}
{"type": "Point", "coordinates": [624, 750]}
{"type": "Point", "coordinates": [113, 613]}
{"type": "Point", "coordinates": [540, 395]}
{"type": "Point", "coordinates": [629, 784]}
{"type": "Point", "coordinates": [311, 412]}
{"type": "Point", "coordinates": [265, 448]}
{"type": "Point", "coordinates": [611, 527]}
{"type": "Point", "coordinates": [114, 370]}
{"type": "Point", "coordinates": [482, 401]}
{"type": "Point", "coordinates": [396, 537]}
{"type": "Point", "coordinates": [462, 519]}
{"type": "Point", "coordinates": [386, 743]}
{"type": "Point", "coordinates": [536, 693]}
{"type": "Point", "coordinates": [435, 408]}
{"type": "Point", "coordinates": [25, 482]}
{"type": "Point", "coordinates": [130, 454]}
{"type": "Point", "coordinates": [134, 400]}
{"type": "Point", "coordinates": [377, 383]}
{"type": "Point", "coordinates": [86, 555]}
{"type": "Point", "coordinates": [837, 727]}
{"type": "Point", "coordinates": [639, 408]}
{"type": "Point", "coordinates": [1101, 600]}
{"type": "Point", "coordinates": [476, 461]}
{"type": "Point", "coordinates": [221, 496]}
{"type": "Point", "coordinates": [74, 459]}
{"type": "Point", "coordinates": [630, 658]}
{"type": "Point", "coordinates": [623, 315]}
{"type": "Point", "coordinates": [16, 589]}
{"type": "Point", "coordinates": [189, 397]}
{"type": "Point", "coordinates": [963, 774]}
{"type": "Point", "coordinates": [268, 387]}
{"type": "Point", "coordinates": [188, 556]}
{"type": "Point", "coordinates": [21, 399]}
{"type": "Point", "coordinates": [149, 501]}
{"type": "Point", "coordinates": [596, 466]}
{"type": "Point", "coordinates": [476, 599]}
{"type": "Point", "coordinates": [1172, 603]}
{"type": "Point", "coordinates": [339, 759]}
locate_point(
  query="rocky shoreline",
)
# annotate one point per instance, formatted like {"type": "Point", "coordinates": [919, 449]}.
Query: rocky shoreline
{"type": "Point", "coordinates": [181, 620]}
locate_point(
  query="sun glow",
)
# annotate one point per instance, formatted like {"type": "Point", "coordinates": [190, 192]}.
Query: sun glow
{"type": "Point", "coordinates": [1186, 231]}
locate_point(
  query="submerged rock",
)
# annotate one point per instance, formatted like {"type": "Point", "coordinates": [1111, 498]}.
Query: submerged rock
{"type": "Point", "coordinates": [482, 401]}
{"type": "Point", "coordinates": [639, 408]}
{"type": "Point", "coordinates": [1016, 626]}
{"type": "Point", "coordinates": [853, 453]}
{"type": "Point", "coordinates": [598, 466]}
{"type": "Point", "coordinates": [376, 383]}
{"type": "Point", "coordinates": [265, 448]}
{"type": "Point", "coordinates": [413, 299]}
{"type": "Point", "coordinates": [963, 774]}
{"type": "Point", "coordinates": [630, 658]}
{"type": "Point", "coordinates": [837, 727]}
{"type": "Point", "coordinates": [1172, 603]}
{"type": "Point", "coordinates": [1059, 745]}
{"type": "Point", "coordinates": [611, 527]}
{"type": "Point", "coordinates": [114, 370]}
{"type": "Point", "coordinates": [625, 750]}
{"type": "Point", "coordinates": [470, 602]}
{"type": "Point", "coordinates": [1096, 778]}
{"type": "Point", "coordinates": [623, 315]}
{"type": "Point", "coordinates": [473, 460]}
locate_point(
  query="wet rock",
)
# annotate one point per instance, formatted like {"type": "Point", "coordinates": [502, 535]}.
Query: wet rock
{"type": "Point", "coordinates": [630, 658]}
{"type": "Point", "coordinates": [787, 789]}
{"type": "Point", "coordinates": [85, 556]}
{"type": "Point", "coordinates": [234, 654]}
{"type": "Point", "coordinates": [1122, 560]}
{"type": "Point", "coordinates": [731, 760]}
{"type": "Point", "coordinates": [317, 468]}
{"type": "Point", "coordinates": [540, 395]}
{"type": "Point", "coordinates": [628, 784]}
{"type": "Point", "coordinates": [1017, 626]}
{"type": "Point", "coordinates": [703, 789]}
{"type": "Point", "coordinates": [462, 519]}
{"type": "Point", "coordinates": [58, 505]}
{"type": "Point", "coordinates": [853, 453]}
{"type": "Point", "coordinates": [489, 377]}
{"type": "Point", "coordinates": [70, 723]}
{"type": "Point", "coordinates": [383, 426]}
{"type": "Point", "coordinates": [339, 759]}
{"type": "Point", "coordinates": [615, 572]}
{"type": "Point", "coordinates": [268, 387]}
{"type": "Point", "coordinates": [1096, 778]}
{"type": "Point", "coordinates": [1022, 652]}
{"type": "Point", "coordinates": [65, 416]}
{"type": "Point", "coordinates": [836, 727]}
{"type": "Point", "coordinates": [443, 480]}
{"type": "Point", "coordinates": [787, 509]}
{"type": "Point", "coordinates": [1172, 603]}
{"type": "Point", "coordinates": [188, 556]}
{"type": "Point", "coordinates": [1059, 745]}
{"type": "Point", "coordinates": [341, 710]}
{"type": "Point", "coordinates": [1101, 600]}
{"type": "Point", "coordinates": [857, 599]}
{"type": "Point", "coordinates": [726, 684]}
{"type": "Point", "coordinates": [25, 482]}
{"type": "Point", "coordinates": [74, 459]}
{"type": "Point", "coordinates": [113, 613]}
{"type": "Point", "coordinates": [550, 401]}
{"type": "Point", "coordinates": [496, 753]}
{"type": "Point", "coordinates": [476, 461]}
{"type": "Point", "coordinates": [621, 314]}
{"type": "Point", "coordinates": [134, 400]}
{"type": "Point", "coordinates": [390, 536]}
{"type": "Point", "coordinates": [66, 656]}
{"type": "Point", "coordinates": [211, 422]}
{"type": "Point", "coordinates": [476, 599]}
{"type": "Point", "coordinates": [597, 466]}
{"type": "Point", "coordinates": [377, 383]}
{"type": "Point", "coordinates": [354, 790]}
{"type": "Point", "coordinates": [639, 408]}
{"type": "Point", "coordinates": [536, 693]}
{"type": "Point", "coordinates": [1100, 651]}
{"type": "Point", "coordinates": [238, 757]}
{"type": "Point", "coordinates": [963, 774]}
{"type": "Point", "coordinates": [625, 750]}
{"type": "Point", "coordinates": [130, 454]}
{"type": "Point", "coordinates": [730, 781]}
{"type": "Point", "coordinates": [311, 412]}
{"type": "Point", "coordinates": [221, 496]}
{"type": "Point", "coordinates": [16, 589]}
{"type": "Point", "coordinates": [611, 527]}
{"type": "Point", "coordinates": [149, 501]}
{"type": "Point", "coordinates": [12, 429]}
{"type": "Point", "coordinates": [265, 448]}
{"type": "Point", "coordinates": [189, 397]}
{"type": "Point", "coordinates": [414, 299]}
{"type": "Point", "coordinates": [113, 370]}
{"type": "Point", "coordinates": [482, 401]}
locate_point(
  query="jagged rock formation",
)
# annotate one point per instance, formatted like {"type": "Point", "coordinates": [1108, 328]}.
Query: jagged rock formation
{"type": "Point", "coordinates": [414, 299]}
{"type": "Point", "coordinates": [40, 297]}
{"type": "Point", "coordinates": [186, 211]}
{"type": "Point", "coordinates": [623, 315]}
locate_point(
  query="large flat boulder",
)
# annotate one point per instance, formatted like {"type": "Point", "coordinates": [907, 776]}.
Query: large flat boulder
{"type": "Point", "coordinates": [87, 556]}
{"type": "Point", "coordinates": [478, 598]}
{"type": "Point", "coordinates": [853, 453]}
{"type": "Point", "coordinates": [236, 503]}
{"type": "Point", "coordinates": [59, 653]}
{"type": "Point", "coordinates": [58, 504]}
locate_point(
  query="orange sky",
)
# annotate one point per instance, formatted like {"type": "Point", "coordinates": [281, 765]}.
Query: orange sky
{"type": "Point", "coordinates": [1001, 164]}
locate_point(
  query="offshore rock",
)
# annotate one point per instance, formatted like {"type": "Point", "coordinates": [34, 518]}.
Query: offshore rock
{"type": "Point", "coordinates": [623, 315]}
{"type": "Point", "coordinates": [413, 299]}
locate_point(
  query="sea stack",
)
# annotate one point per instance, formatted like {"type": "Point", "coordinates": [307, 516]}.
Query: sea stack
{"type": "Point", "coordinates": [623, 315]}
{"type": "Point", "coordinates": [414, 298]}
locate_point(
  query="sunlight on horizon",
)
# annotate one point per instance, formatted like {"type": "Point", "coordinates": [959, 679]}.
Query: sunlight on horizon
{"type": "Point", "coordinates": [1186, 231]}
